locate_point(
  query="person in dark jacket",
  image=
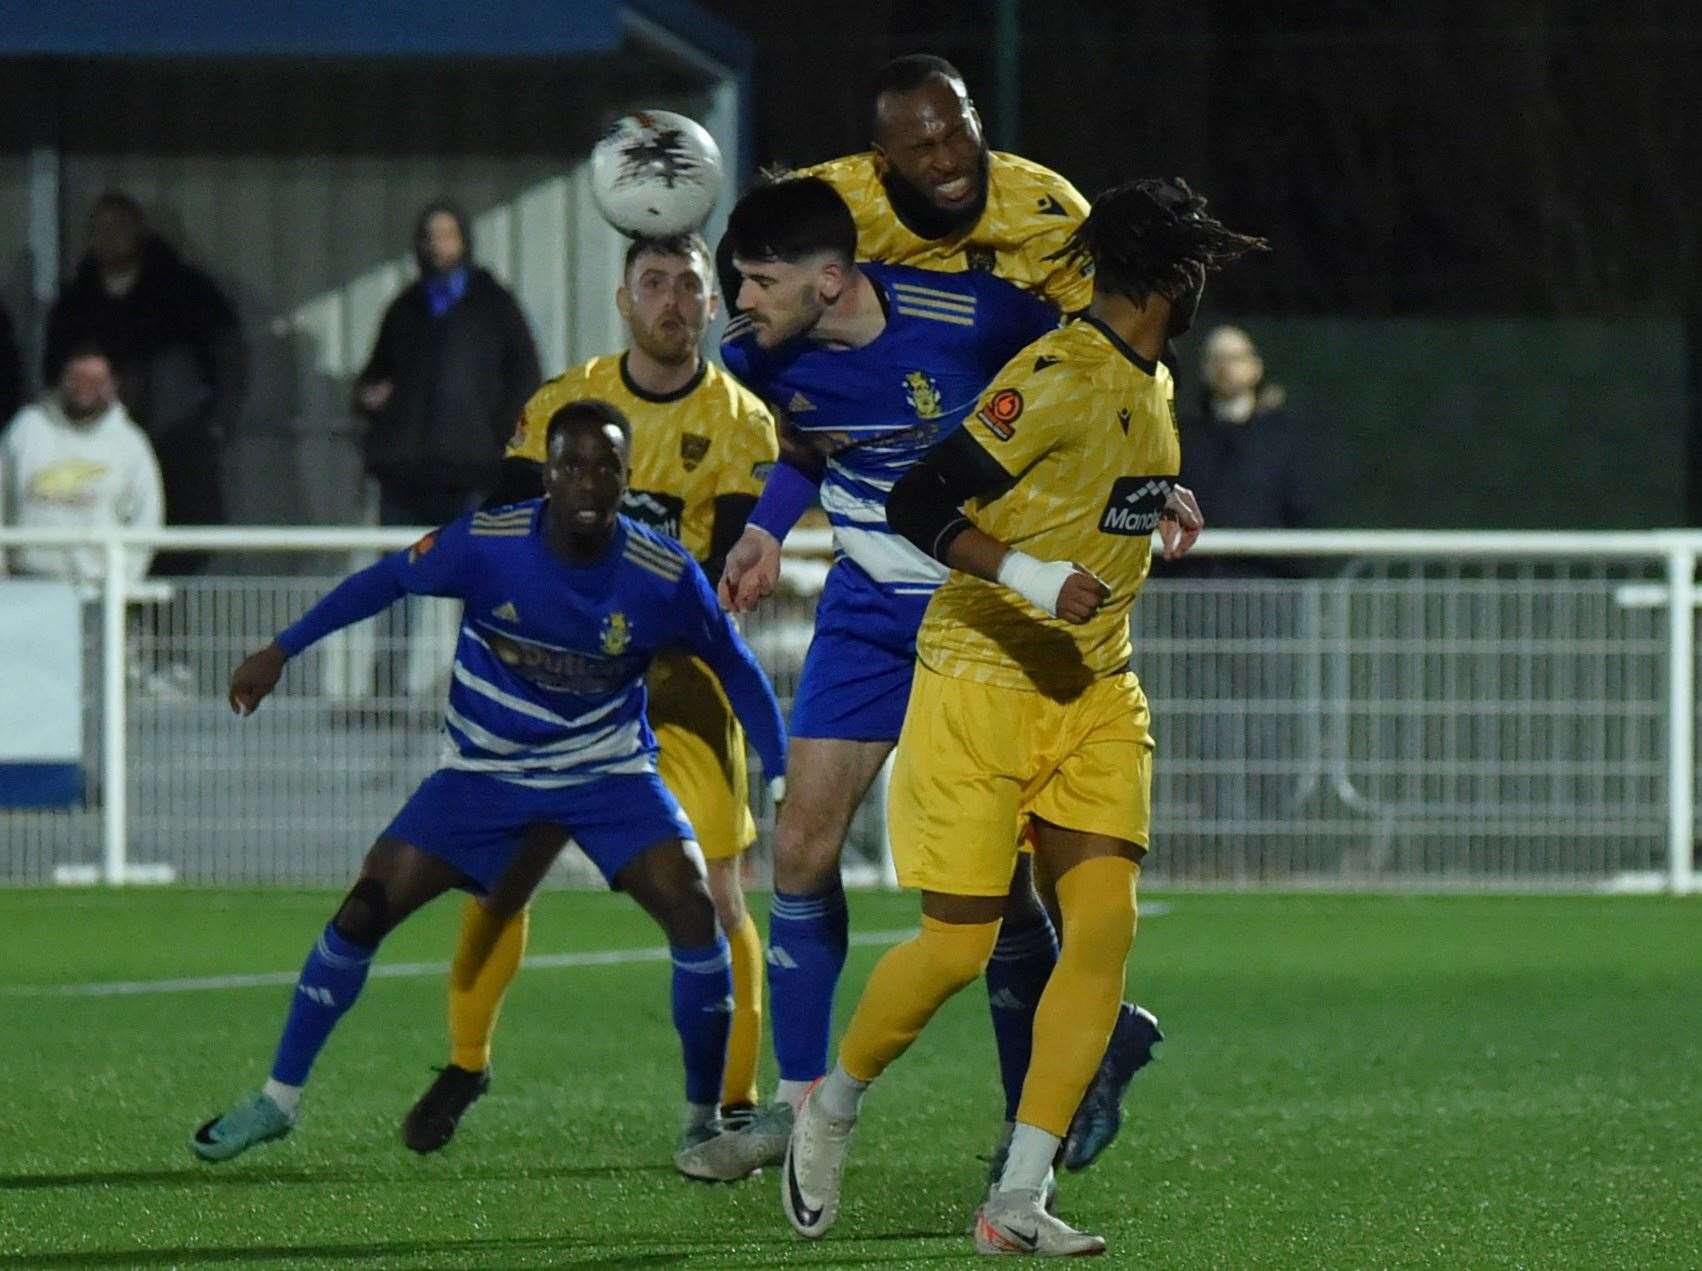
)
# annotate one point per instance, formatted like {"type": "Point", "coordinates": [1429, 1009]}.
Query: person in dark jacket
{"type": "Point", "coordinates": [444, 389]}
{"type": "Point", "coordinates": [452, 369]}
{"type": "Point", "coordinates": [1251, 465]}
{"type": "Point", "coordinates": [176, 346]}
{"type": "Point", "coordinates": [1245, 457]}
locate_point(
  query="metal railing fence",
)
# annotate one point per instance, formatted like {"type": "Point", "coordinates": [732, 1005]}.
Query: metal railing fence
{"type": "Point", "coordinates": [1429, 709]}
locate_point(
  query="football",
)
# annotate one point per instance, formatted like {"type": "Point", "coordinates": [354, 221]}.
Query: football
{"type": "Point", "coordinates": [655, 173]}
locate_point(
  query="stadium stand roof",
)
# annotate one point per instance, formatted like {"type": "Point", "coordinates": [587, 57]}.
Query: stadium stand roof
{"type": "Point", "coordinates": [375, 28]}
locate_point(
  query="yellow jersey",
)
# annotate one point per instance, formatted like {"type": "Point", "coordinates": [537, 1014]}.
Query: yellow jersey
{"type": "Point", "coordinates": [1031, 212]}
{"type": "Point", "coordinates": [1086, 428]}
{"type": "Point", "coordinates": [712, 437]}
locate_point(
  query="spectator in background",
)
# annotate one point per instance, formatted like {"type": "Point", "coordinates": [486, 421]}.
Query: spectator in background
{"type": "Point", "coordinates": [74, 459]}
{"type": "Point", "coordinates": [452, 369]}
{"type": "Point", "coordinates": [11, 368]}
{"type": "Point", "coordinates": [1249, 464]}
{"type": "Point", "coordinates": [176, 351]}
{"type": "Point", "coordinates": [1244, 457]}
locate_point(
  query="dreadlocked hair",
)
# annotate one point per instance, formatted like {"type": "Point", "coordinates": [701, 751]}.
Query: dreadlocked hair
{"type": "Point", "coordinates": [1153, 235]}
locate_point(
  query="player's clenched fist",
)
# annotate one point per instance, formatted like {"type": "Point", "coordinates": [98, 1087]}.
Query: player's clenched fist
{"type": "Point", "coordinates": [255, 678]}
{"type": "Point", "coordinates": [1081, 595]}
{"type": "Point", "coordinates": [751, 571]}
{"type": "Point", "coordinates": [1060, 588]}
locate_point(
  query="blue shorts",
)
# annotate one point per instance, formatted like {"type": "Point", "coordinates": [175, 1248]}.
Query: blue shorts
{"type": "Point", "coordinates": [856, 678]}
{"type": "Point", "coordinates": [475, 821]}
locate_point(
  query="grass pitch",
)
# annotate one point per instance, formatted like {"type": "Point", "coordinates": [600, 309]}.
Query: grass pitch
{"type": "Point", "coordinates": [1350, 1081]}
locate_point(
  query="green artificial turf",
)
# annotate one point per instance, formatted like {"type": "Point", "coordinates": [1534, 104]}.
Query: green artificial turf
{"type": "Point", "coordinates": [1352, 1081]}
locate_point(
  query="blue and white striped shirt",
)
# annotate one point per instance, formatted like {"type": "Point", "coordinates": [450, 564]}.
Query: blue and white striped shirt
{"type": "Point", "coordinates": [548, 682]}
{"type": "Point", "coordinates": [878, 409]}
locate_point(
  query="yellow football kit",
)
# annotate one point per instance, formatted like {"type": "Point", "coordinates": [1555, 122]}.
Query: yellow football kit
{"type": "Point", "coordinates": [1014, 712]}
{"type": "Point", "coordinates": [712, 437]}
{"type": "Point", "coordinates": [1031, 212]}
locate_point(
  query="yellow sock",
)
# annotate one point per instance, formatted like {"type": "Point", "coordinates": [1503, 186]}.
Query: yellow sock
{"type": "Point", "coordinates": [908, 985]}
{"type": "Point", "coordinates": [1073, 1021]}
{"type": "Point", "coordinates": [486, 962]}
{"type": "Point", "coordinates": [738, 1082]}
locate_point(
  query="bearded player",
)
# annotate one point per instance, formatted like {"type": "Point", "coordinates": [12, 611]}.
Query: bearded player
{"type": "Point", "coordinates": [930, 193]}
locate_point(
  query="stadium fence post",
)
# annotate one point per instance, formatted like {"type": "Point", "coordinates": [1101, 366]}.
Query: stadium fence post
{"type": "Point", "coordinates": [113, 787]}
{"type": "Point", "coordinates": [1681, 713]}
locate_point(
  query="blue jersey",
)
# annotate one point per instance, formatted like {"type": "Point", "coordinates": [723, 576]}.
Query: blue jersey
{"type": "Point", "coordinates": [548, 684]}
{"type": "Point", "coordinates": [878, 409]}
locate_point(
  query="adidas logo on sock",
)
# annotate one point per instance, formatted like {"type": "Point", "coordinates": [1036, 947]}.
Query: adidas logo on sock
{"type": "Point", "coordinates": [1005, 1000]}
{"type": "Point", "coordinates": [322, 996]}
{"type": "Point", "coordinates": [778, 957]}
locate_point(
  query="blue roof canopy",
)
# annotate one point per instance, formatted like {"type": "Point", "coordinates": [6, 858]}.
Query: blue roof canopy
{"type": "Point", "coordinates": [348, 28]}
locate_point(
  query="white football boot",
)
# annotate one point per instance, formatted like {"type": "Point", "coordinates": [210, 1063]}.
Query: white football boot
{"type": "Point", "coordinates": [814, 1164]}
{"type": "Point", "coordinates": [1017, 1223]}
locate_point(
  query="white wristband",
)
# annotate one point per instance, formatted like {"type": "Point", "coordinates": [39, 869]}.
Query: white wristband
{"type": "Point", "coordinates": [777, 790]}
{"type": "Point", "coordinates": [1037, 581]}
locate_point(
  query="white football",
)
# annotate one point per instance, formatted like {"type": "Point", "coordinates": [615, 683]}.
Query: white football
{"type": "Point", "coordinates": [655, 173]}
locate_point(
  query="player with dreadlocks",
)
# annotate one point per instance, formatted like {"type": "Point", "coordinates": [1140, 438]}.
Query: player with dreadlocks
{"type": "Point", "coordinates": [1024, 707]}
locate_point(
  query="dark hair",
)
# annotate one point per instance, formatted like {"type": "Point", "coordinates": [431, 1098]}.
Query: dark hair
{"type": "Point", "coordinates": [671, 245]}
{"type": "Point", "coordinates": [1153, 235]}
{"type": "Point", "coordinates": [789, 219]}
{"type": "Point", "coordinates": [450, 208]}
{"type": "Point", "coordinates": [905, 73]}
{"type": "Point", "coordinates": [588, 410]}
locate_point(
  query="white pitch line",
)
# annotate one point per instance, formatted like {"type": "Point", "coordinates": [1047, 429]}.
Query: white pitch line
{"type": "Point", "coordinates": [410, 970]}
{"type": "Point", "coordinates": [383, 971]}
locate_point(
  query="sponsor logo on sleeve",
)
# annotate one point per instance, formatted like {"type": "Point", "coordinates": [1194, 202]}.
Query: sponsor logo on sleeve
{"type": "Point", "coordinates": [1000, 413]}
{"type": "Point", "coordinates": [420, 548]}
{"type": "Point", "coordinates": [1134, 505]}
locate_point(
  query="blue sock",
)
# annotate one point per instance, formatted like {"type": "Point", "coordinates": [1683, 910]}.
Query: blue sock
{"type": "Point", "coordinates": [330, 982]}
{"type": "Point", "coordinates": [807, 939]}
{"type": "Point", "coordinates": [703, 1014]}
{"type": "Point", "coordinates": [1022, 963]}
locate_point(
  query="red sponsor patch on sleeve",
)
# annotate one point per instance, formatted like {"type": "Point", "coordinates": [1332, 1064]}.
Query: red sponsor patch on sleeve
{"type": "Point", "coordinates": [420, 548]}
{"type": "Point", "coordinates": [1001, 412]}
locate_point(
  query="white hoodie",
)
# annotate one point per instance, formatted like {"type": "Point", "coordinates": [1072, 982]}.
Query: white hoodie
{"type": "Point", "coordinates": [60, 474]}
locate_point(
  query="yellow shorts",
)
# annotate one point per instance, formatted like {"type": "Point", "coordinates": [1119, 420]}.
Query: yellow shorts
{"type": "Point", "coordinates": [702, 756]}
{"type": "Point", "coordinates": [974, 760]}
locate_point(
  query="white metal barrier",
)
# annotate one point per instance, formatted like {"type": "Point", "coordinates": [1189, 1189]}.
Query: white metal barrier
{"type": "Point", "coordinates": [1482, 709]}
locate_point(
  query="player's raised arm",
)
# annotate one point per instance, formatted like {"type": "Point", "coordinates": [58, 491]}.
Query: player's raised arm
{"type": "Point", "coordinates": [433, 567]}
{"type": "Point", "coordinates": [709, 633]}
{"type": "Point", "coordinates": [752, 565]}
{"type": "Point", "coordinates": [926, 506]}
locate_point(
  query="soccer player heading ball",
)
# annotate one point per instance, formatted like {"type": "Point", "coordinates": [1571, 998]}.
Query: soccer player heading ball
{"type": "Point", "coordinates": [1043, 505]}
{"type": "Point", "coordinates": [892, 364]}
